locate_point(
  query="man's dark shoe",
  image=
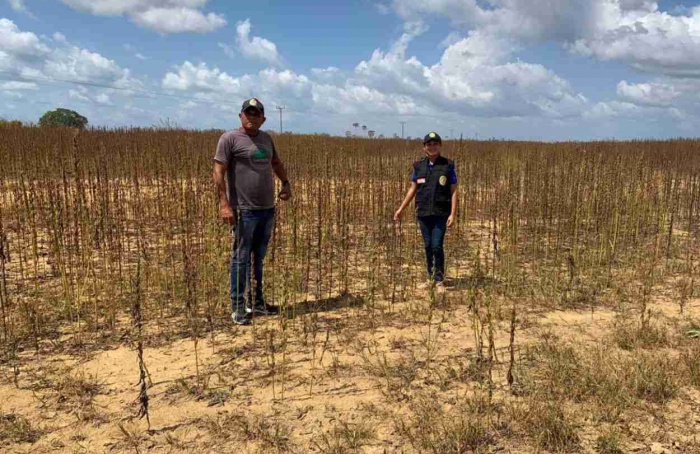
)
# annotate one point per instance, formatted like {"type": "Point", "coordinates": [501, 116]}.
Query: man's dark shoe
{"type": "Point", "coordinates": [241, 318]}
{"type": "Point", "coordinates": [263, 309]}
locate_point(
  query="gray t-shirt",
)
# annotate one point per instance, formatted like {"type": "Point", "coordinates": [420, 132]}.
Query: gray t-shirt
{"type": "Point", "coordinates": [249, 175]}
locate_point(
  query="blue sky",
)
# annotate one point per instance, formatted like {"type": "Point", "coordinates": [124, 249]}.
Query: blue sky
{"type": "Point", "coordinates": [566, 70]}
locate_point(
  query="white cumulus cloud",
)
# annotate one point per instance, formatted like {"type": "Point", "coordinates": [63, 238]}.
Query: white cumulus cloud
{"type": "Point", "coordinates": [30, 59]}
{"type": "Point", "coordinates": [178, 20]}
{"type": "Point", "coordinates": [255, 47]}
{"type": "Point", "coordinates": [163, 16]}
{"type": "Point", "coordinates": [200, 77]}
{"type": "Point", "coordinates": [18, 5]}
{"type": "Point", "coordinates": [652, 94]}
{"type": "Point", "coordinates": [477, 79]}
{"type": "Point", "coordinates": [473, 77]}
{"type": "Point", "coordinates": [85, 94]}
{"type": "Point", "coordinates": [19, 43]}
{"type": "Point", "coordinates": [646, 39]}
{"type": "Point", "coordinates": [636, 32]}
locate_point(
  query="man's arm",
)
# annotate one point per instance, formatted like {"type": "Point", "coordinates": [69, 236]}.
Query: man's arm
{"type": "Point", "coordinates": [409, 196]}
{"type": "Point", "coordinates": [279, 169]}
{"type": "Point", "coordinates": [453, 208]}
{"type": "Point", "coordinates": [281, 172]}
{"type": "Point", "coordinates": [452, 175]}
{"type": "Point", "coordinates": [225, 210]}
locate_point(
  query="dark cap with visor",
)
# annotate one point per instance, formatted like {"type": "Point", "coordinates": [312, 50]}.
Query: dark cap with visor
{"type": "Point", "coordinates": [253, 103]}
{"type": "Point", "coordinates": [432, 137]}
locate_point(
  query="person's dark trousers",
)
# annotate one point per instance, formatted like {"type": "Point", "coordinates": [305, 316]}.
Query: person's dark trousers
{"type": "Point", "coordinates": [433, 229]}
{"type": "Point", "coordinates": [251, 237]}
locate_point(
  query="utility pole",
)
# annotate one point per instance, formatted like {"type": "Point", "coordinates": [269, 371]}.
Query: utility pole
{"type": "Point", "coordinates": [452, 133]}
{"type": "Point", "coordinates": [280, 108]}
{"type": "Point", "coordinates": [403, 123]}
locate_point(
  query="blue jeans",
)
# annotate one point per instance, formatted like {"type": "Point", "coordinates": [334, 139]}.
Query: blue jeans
{"type": "Point", "coordinates": [433, 229]}
{"type": "Point", "coordinates": [251, 237]}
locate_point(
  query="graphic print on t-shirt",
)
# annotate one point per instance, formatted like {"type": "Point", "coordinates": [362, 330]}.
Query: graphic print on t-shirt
{"type": "Point", "coordinates": [260, 155]}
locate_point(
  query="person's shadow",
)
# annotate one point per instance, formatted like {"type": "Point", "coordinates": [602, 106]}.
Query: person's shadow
{"type": "Point", "coordinates": [323, 305]}
{"type": "Point", "coordinates": [349, 300]}
{"type": "Point", "coordinates": [470, 282]}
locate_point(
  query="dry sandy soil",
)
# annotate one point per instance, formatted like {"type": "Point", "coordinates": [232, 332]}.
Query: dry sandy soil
{"type": "Point", "coordinates": [343, 376]}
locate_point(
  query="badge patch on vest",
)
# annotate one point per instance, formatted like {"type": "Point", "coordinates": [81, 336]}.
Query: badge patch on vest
{"type": "Point", "coordinates": [420, 180]}
{"type": "Point", "coordinates": [443, 180]}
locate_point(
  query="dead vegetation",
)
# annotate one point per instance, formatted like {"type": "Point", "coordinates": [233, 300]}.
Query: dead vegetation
{"type": "Point", "coordinates": [471, 424]}
{"type": "Point", "coordinates": [267, 433]}
{"type": "Point", "coordinates": [70, 391]}
{"type": "Point", "coordinates": [17, 429]}
{"type": "Point", "coordinates": [569, 323]}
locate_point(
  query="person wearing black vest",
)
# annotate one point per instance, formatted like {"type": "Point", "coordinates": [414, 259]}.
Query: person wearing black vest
{"type": "Point", "coordinates": [434, 185]}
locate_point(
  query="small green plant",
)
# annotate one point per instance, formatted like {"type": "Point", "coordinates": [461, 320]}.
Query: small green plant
{"type": "Point", "coordinates": [397, 373]}
{"type": "Point", "coordinates": [345, 438]}
{"type": "Point", "coordinates": [271, 434]}
{"type": "Point", "coordinates": [691, 358]}
{"type": "Point", "coordinates": [547, 424]}
{"type": "Point", "coordinates": [629, 335]}
{"type": "Point", "coordinates": [608, 443]}
{"type": "Point", "coordinates": [466, 427]}
{"type": "Point", "coordinates": [653, 378]}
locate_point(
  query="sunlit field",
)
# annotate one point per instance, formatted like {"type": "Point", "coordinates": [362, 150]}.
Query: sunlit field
{"type": "Point", "coordinates": [571, 320]}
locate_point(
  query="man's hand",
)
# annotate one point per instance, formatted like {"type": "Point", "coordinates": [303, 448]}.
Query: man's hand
{"type": "Point", "coordinates": [227, 215]}
{"type": "Point", "coordinates": [397, 216]}
{"type": "Point", "coordinates": [450, 221]}
{"type": "Point", "coordinates": [286, 192]}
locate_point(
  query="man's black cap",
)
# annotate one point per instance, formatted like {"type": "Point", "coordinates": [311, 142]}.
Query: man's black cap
{"type": "Point", "coordinates": [432, 137]}
{"type": "Point", "coordinates": [253, 103]}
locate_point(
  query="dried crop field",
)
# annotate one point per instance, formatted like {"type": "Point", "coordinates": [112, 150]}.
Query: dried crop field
{"type": "Point", "coordinates": [571, 322]}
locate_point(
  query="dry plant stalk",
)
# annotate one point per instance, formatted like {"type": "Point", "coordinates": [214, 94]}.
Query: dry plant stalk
{"type": "Point", "coordinates": [144, 378]}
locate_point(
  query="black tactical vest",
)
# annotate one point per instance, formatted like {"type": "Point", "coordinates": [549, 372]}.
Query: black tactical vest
{"type": "Point", "coordinates": [434, 194]}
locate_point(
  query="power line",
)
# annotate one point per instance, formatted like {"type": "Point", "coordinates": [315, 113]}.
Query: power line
{"type": "Point", "coordinates": [280, 108]}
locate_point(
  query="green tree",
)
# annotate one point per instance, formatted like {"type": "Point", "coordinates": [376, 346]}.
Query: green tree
{"type": "Point", "coordinates": [63, 117]}
{"type": "Point", "coordinates": [12, 123]}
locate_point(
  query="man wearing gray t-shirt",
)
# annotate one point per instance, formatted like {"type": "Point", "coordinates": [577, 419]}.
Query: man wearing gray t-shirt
{"type": "Point", "coordinates": [243, 165]}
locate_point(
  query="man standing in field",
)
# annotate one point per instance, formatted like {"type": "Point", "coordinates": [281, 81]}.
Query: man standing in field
{"type": "Point", "coordinates": [243, 165]}
{"type": "Point", "coordinates": [434, 185]}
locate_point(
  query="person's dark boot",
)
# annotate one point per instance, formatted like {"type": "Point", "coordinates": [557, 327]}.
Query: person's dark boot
{"type": "Point", "coordinates": [241, 318]}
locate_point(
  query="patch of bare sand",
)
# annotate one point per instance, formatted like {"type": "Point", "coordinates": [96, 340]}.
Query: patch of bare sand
{"type": "Point", "coordinates": [358, 373]}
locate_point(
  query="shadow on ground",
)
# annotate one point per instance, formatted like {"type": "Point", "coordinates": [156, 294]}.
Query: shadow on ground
{"type": "Point", "coordinates": [323, 305]}
{"type": "Point", "coordinates": [472, 282]}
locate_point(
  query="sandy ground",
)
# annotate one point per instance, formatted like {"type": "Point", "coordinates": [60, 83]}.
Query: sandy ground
{"type": "Point", "coordinates": [313, 388]}
{"type": "Point", "coordinates": [340, 379]}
